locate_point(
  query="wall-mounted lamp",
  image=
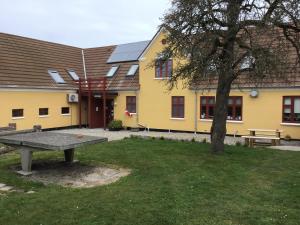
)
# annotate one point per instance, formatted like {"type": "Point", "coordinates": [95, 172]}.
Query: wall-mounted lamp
{"type": "Point", "coordinates": [254, 93]}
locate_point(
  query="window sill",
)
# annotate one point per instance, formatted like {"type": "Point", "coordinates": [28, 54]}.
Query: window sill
{"type": "Point", "coordinates": [177, 119]}
{"type": "Point", "coordinates": [18, 118]}
{"type": "Point", "coordinates": [227, 121]}
{"type": "Point", "coordinates": [133, 114]}
{"type": "Point", "coordinates": [66, 114]}
{"type": "Point", "coordinates": [46, 116]}
{"type": "Point", "coordinates": [234, 121]}
{"type": "Point", "coordinates": [162, 78]}
{"type": "Point", "coordinates": [205, 120]}
{"type": "Point", "coordinates": [290, 124]}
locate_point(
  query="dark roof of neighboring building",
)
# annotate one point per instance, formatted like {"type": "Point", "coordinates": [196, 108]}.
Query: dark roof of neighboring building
{"type": "Point", "coordinates": [24, 63]}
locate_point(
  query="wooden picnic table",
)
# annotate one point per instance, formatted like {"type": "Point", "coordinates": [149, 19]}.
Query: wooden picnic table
{"type": "Point", "coordinates": [276, 133]}
{"type": "Point", "coordinates": [263, 134]}
{"type": "Point", "coordinates": [28, 143]}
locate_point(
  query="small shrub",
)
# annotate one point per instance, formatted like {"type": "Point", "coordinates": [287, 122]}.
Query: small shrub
{"type": "Point", "coordinates": [162, 138]}
{"type": "Point", "coordinates": [204, 141]}
{"type": "Point", "coordinates": [115, 125]}
{"type": "Point", "coordinates": [153, 138]}
{"type": "Point", "coordinates": [245, 145]}
{"type": "Point", "coordinates": [193, 140]}
{"type": "Point", "coordinates": [287, 137]}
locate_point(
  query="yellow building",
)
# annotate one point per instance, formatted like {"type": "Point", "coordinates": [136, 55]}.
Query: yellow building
{"type": "Point", "coordinates": [32, 92]}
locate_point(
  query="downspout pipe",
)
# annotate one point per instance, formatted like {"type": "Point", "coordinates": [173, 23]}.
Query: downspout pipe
{"type": "Point", "coordinates": [196, 113]}
{"type": "Point", "coordinates": [137, 107]}
{"type": "Point", "coordinates": [83, 62]}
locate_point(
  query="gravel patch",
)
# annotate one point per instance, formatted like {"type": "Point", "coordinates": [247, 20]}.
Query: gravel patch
{"type": "Point", "coordinates": [74, 175]}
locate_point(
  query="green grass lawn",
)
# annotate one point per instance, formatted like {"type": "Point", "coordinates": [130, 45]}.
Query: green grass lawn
{"type": "Point", "coordinates": [171, 183]}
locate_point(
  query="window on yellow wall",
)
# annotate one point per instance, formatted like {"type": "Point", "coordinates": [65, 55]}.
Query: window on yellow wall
{"type": "Point", "coordinates": [65, 110]}
{"type": "Point", "coordinates": [43, 111]}
{"type": "Point", "coordinates": [234, 111]}
{"type": "Point", "coordinates": [131, 104]}
{"type": "Point", "coordinates": [234, 108]}
{"type": "Point", "coordinates": [207, 106]}
{"type": "Point", "coordinates": [178, 107]}
{"type": "Point", "coordinates": [163, 68]}
{"type": "Point", "coordinates": [291, 109]}
{"type": "Point", "coordinates": [16, 113]}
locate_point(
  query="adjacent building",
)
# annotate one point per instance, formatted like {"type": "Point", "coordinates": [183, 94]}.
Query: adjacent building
{"type": "Point", "coordinates": [57, 86]}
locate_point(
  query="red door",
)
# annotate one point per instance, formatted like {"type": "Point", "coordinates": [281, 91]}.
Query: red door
{"type": "Point", "coordinates": [97, 117]}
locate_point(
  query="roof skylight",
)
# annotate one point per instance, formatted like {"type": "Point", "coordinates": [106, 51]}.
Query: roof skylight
{"type": "Point", "coordinates": [112, 71]}
{"type": "Point", "coordinates": [247, 62]}
{"type": "Point", "coordinates": [73, 74]}
{"type": "Point", "coordinates": [56, 77]}
{"type": "Point", "coordinates": [132, 70]}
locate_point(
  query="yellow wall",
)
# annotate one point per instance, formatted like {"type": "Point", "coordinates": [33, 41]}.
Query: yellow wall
{"type": "Point", "coordinates": [120, 107]}
{"type": "Point", "coordinates": [31, 101]}
{"type": "Point", "coordinates": [264, 112]}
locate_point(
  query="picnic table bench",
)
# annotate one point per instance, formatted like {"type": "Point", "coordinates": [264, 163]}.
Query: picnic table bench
{"type": "Point", "coordinates": [263, 134]}
{"type": "Point", "coordinates": [27, 143]}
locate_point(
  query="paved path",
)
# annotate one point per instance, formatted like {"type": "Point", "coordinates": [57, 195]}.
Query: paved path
{"type": "Point", "coordinates": [287, 148]}
{"type": "Point", "coordinates": [119, 135]}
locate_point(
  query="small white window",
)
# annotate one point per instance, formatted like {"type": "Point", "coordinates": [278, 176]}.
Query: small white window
{"type": "Point", "coordinates": [247, 62]}
{"type": "Point", "coordinates": [112, 71]}
{"type": "Point", "coordinates": [73, 74]}
{"type": "Point", "coordinates": [56, 77]}
{"type": "Point", "coordinates": [132, 70]}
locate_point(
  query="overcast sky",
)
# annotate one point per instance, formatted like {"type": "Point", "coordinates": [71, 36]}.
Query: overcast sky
{"type": "Point", "coordinates": [83, 23]}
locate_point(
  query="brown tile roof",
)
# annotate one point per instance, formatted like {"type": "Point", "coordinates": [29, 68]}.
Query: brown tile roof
{"type": "Point", "coordinates": [24, 63]}
{"type": "Point", "coordinates": [289, 76]}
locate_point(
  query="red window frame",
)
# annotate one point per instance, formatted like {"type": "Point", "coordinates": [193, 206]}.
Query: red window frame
{"type": "Point", "coordinates": [131, 104]}
{"type": "Point", "coordinates": [234, 106]}
{"type": "Point", "coordinates": [163, 68]}
{"type": "Point", "coordinates": [207, 106]}
{"type": "Point", "coordinates": [178, 107]}
{"type": "Point", "coordinates": [292, 107]}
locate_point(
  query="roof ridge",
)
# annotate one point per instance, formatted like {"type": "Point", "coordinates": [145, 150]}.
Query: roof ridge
{"type": "Point", "coordinates": [36, 39]}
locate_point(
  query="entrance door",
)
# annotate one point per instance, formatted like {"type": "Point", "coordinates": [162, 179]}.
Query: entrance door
{"type": "Point", "coordinates": [97, 112]}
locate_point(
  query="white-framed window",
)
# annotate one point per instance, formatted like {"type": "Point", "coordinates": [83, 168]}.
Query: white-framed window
{"type": "Point", "coordinates": [247, 63]}
{"type": "Point", "coordinates": [65, 110]}
{"type": "Point", "coordinates": [73, 75]}
{"type": "Point", "coordinates": [56, 77]}
{"type": "Point", "coordinates": [112, 71]}
{"type": "Point", "coordinates": [17, 113]}
{"type": "Point", "coordinates": [43, 112]}
{"type": "Point", "coordinates": [132, 70]}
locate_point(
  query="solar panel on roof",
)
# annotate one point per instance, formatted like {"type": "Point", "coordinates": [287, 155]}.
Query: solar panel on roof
{"type": "Point", "coordinates": [128, 52]}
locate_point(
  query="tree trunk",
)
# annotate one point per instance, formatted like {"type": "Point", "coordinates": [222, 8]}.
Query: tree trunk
{"type": "Point", "coordinates": [218, 129]}
{"type": "Point", "coordinates": [225, 79]}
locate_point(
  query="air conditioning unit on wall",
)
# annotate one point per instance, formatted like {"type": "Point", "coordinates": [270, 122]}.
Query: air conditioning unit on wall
{"type": "Point", "coordinates": [72, 98]}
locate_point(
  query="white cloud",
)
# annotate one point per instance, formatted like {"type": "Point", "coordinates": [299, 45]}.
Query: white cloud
{"type": "Point", "coordinates": [83, 23]}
